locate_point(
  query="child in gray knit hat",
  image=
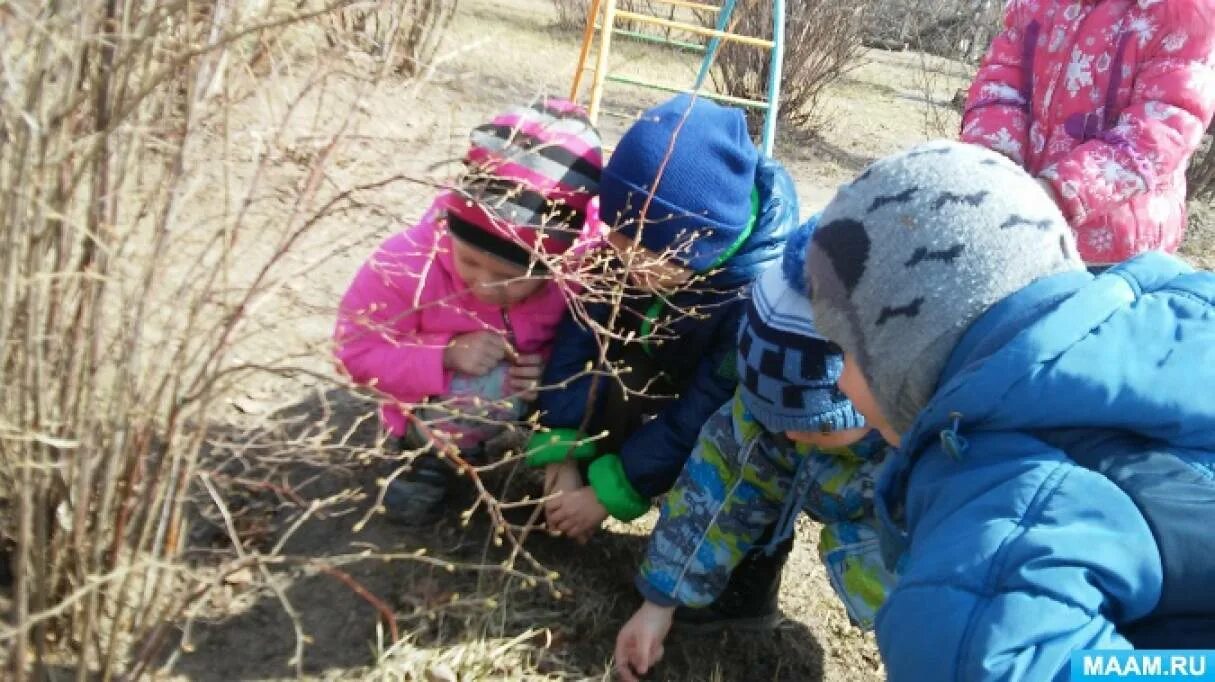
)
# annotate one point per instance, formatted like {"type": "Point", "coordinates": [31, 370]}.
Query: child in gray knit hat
{"type": "Point", "coordinates": [1054, 486]}
{"type": "Point", "coordinates": [787, 442]}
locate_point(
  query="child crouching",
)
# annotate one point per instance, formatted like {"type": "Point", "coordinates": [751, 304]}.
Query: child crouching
{"type": "Point", "coordinates": [452, 319]}
{"type": "Point", "coordinates": [686, 246]}
{"type": "Point", "coordinates": [787, 441]}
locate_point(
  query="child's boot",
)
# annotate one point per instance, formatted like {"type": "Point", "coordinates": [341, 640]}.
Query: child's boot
{"type": "Point", "coordinates": [417, 496]}
{"type": "Point", "coordinates": [750, 600]}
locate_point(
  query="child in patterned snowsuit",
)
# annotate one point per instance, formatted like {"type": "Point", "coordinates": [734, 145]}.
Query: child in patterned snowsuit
{"type": "Point", "coordinates": [787, 441]}
{"type": "Point", "coordinates": [1103, 101]}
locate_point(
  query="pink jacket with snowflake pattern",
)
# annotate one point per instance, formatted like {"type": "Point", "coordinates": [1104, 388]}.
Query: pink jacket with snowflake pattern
{"type": "Point", "coordinates": [1107, 100]}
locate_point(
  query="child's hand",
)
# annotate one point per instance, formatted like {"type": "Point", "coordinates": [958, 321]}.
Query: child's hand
{"type": "Point", "coordinates": [525, 373]}
{"type": "Point", "coordinates": [476, 353]}
{"type": "Point", "coordinates": [639, 643]}
{"type": "Point", "coordinates": [560, 478]}
{"type": "Point", "coordinates": [576, 514]}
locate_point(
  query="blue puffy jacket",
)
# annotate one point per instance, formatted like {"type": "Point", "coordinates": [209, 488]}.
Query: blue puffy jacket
{"type": "Point", "coordinates": [1058, 492]}
{"type": "Point", "coordinates": [700, 360]}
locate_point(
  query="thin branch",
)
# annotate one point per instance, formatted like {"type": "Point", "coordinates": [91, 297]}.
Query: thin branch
{"type": "Point", "coordinates": [386, 613]}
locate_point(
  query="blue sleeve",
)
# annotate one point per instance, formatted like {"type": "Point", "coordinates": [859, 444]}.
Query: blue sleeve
{"type": "Point", "coordinates": [655, 454]}
{"type": "Point", "coordinates": [1014, 563]}
{"type": "Point", "coordinates": [563, 405]}
{"type": "Point", "coordinates": [733, 487]}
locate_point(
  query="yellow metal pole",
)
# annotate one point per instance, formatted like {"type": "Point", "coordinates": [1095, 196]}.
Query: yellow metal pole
{"type": "Point", "coordinates": [692, 28]}
{"type": "Point", "coordinates": [588, 35]}
{"type": "Point", "coordinates": [740, 101]}
{"type": "Point", "coordinates": [601, 60]}
{"type": "Point", "coordinates": [691, 5]}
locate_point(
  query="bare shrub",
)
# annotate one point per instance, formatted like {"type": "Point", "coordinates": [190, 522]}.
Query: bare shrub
{"type": "Point", "coordinates": [955, 29]}
{"type": "Point", "coordinates": [122, 309]}
{"type": "Point", "coordinates": [406, 33]}
{"type": "Point", "coordinates": [571, 14]}
{"type": "Point", "coordinates": [822, 43]}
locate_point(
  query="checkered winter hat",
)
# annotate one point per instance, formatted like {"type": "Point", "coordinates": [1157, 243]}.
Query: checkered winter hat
{"type": "Point", "coordinates": [787, 370]}
{"type": "Point", "coordinates": [532, 171]}
{"type": "Point", "coordinates": [916, 249]}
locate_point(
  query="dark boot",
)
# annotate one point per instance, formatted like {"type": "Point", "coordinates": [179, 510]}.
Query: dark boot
{"type": "Point", "coordinates": [750, 600]}
{"type": "Point", "coordinates": [417, 497]}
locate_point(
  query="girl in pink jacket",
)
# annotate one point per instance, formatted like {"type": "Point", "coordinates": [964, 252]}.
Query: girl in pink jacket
{"type": "Point", "coordinates": [451, 320]}
{"type": "Point", "coordinates": [1103, 101]}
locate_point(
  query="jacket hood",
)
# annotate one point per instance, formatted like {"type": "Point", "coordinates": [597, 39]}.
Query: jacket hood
{"type": "Point", "coordinates": [778, 218]}
{"type": "Point", "coordinates": [1122, 351]}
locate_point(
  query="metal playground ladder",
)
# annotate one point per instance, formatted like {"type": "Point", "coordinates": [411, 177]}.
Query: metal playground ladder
{"type": "Point", "coordinates": [602, 18]}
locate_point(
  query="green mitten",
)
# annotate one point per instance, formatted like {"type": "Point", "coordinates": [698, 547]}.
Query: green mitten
{"type": "Point", "coordinates": [556, 445]}
{"type": "Point", "coordinates": [614, 491]}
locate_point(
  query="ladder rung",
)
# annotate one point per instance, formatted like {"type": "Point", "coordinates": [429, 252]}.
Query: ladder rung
{"type": "Point", "coordinates": [691, 47]}
{"type": "Point", "coordinates": [693, 28]}
{"type": "Point", "coordinates": [691, 5]}
{"type": "Point", "coordinates": [740, 101]}
{"type": "Point", "coordinates": [618, 114]}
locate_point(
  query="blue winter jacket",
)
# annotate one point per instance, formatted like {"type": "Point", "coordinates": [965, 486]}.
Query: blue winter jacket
{"type": "Point", "coordinates": [1058, 492]}
{"type": "Point", "coordinates": [700, 360]}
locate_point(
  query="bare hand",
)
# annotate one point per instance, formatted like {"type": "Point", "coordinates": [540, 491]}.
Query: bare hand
{"type": "Point", "coordinates": [577, 514]}
{"type": "Point", "coordinates": [639, 643]}
{"type": "Point", "coordinates": [525, 375]}
{"type": "Point", "coordinates": [476, 353]}
{"type": "Point", "coordinates": [560, 478]}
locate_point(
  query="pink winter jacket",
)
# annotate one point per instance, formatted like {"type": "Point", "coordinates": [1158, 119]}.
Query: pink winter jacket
{"type": "Point", "coordinates": [405, 305]}
{"type": "Point", "coordinates": [1107, 100]}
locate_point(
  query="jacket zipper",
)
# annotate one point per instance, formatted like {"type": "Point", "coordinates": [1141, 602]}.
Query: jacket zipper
{"type": "Point", "coordinates": [510, 331]}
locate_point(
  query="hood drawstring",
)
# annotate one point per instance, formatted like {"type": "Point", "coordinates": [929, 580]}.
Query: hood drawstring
{"type": "Point", "coordinates": [951, 441]}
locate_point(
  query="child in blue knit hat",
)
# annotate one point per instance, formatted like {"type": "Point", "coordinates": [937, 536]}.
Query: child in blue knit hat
{"type": "Point", "coordinates": [693, 215]}
{"type": "Point", "coordinates": [788, 441]}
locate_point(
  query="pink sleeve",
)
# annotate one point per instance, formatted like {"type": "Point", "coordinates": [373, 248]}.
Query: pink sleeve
{"type": "Point", "coordinates": [1170, 107]}
{"type": "Point", "coordinates": [377, 337]}
{"type": "Point", "coordinates": [996, 113]}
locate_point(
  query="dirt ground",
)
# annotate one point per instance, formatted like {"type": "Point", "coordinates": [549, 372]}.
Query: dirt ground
{"type": "Point", "coordinates": [469, 623]}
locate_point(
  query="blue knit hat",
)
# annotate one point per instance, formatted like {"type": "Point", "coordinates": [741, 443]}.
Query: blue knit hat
{"type": "Point", "coordinates": [787, 370]}
{"type": "Point", "coordinates": [703, 206]}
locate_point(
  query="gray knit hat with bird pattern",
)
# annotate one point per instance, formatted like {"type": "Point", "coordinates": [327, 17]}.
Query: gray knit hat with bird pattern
{"type": "Point", "coordinates": [918, 247]}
